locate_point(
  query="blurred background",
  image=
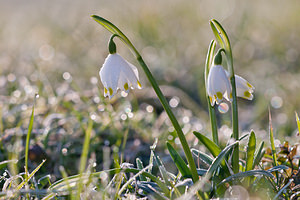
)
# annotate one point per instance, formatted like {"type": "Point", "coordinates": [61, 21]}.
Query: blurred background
{"type": "Point", "coordinates": [54, 49]}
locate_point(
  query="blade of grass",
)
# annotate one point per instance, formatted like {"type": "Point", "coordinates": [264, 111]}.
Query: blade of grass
{"type": "Point", "coordinates": [250, 151]}
{"type": "Point", "coordinates": [140, 166]}
{"type": "Point", "coordinates": [218, 160]}
{"type": "Point", "coordinates": [61, 185]}
{"type": "Point", "coordinates": [132, 179]}
{"type": "Point", "coordinates": [30, 176]}
{"type": "Point", "coordinates": [283, 188]}
{"type": "Point", "coordinates": [258, 154]}
{"type": "Point", "coordinates": [179, 162]}
{"type": "Point", "coordinates": [247, 174]}
{"type": "Point", "coordinates": [30, 126]}
{"type": "Point", "coordinates": [152, 148]}
{"type": "Point", "coordinates": [272, 140]}
{"type": "Point", "coordinates": [210, 145]}
{"type": "Point", "coordinates": [84, 155]}
{"type": "Point", "coordinates": [202, 156]}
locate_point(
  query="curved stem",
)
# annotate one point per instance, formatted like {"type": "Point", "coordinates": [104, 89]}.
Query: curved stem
{"type": "Point", "coordinates": [115, 30]}
{"type": "Point", "coordinates": [172, 118]}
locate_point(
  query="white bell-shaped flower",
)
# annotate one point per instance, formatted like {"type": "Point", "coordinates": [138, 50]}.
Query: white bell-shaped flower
{"type": "Point", "coordinates": [243, 88]}
{"type": "Point", "coordinates": [117, 73]}
{"type": "Point", "coordinates": [218, 86]}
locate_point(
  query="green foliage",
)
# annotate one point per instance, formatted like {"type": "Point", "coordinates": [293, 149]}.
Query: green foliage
{"type": "Point", "coordinates": [179, 162]}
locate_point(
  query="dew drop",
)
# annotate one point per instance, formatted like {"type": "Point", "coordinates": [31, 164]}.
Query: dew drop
{"type": "Point", "coordinates": [149, 108]}
{"type": "Point", "coordinates": [123, 116]}
{"type": "Point", "coordinates": [67, 76]}
{"type": "Point", "coordinates": [276, 102]}
{"type": "Point", "coordinates": [174, 102]}
{"type": "Point", "coordinates": [223, 108]}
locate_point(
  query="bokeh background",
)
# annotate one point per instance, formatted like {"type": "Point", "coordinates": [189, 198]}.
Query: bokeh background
{"type": "Point", "coordinates": [54, 49]}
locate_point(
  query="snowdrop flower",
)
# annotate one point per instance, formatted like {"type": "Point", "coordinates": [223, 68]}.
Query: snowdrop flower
{"type": "Point", "coordinates": [117, 73]}
{"type": "Point", "coordinates": [218, 86]}
{"type": "Point", "coordinates": [243, 88]}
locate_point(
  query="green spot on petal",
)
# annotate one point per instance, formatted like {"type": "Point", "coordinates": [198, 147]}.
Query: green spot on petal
{"type": "Point", "coordinates": [249, 85]}
{"type": "Point", "coordinates": [219, 95]}
{"type": "Point", "coordinates": [247, 94]}
{"type": "Point", "coordinates": [105, 90]}
{"type": "Point", "coordinates": [110, 91]}
{"type": "Point", "coordinates": [139, 84]}
{"type": "Point", "coordinates": [126, 86]}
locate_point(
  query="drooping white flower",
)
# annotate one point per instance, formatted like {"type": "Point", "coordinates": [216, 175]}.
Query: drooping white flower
{"type": "Point", "coordinates": [218, 85]}
{"type": "Point", "coordinates": [117, 73]}
{"type": "Point", "coordinates": [243, 88]}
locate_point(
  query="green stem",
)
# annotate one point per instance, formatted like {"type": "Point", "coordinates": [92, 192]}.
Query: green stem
{"type": "Point", "coordinates": [211, 109]}
{"type": "Point", "coordinates": [235, 127]}
{"type": "Point", "coordinates": [213, 122]}
{"type": "Point", "coordinates": [173, 119]}
{"type": "Point", "coordinates": [234, 107]}
{"type": "Point", "coordinates": [115, 30]}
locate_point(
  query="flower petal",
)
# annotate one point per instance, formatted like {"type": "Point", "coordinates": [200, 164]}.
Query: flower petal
{"type": "Point", "coordinates": [218, 85]}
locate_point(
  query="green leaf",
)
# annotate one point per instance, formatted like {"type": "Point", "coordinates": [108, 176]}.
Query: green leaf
{"type": "Point", "coordinates": [116, 31]}
{"type": "Point", "coordinates": [30, 126]}
{"type": "Point", "coordinates": [219, 159]}
{"type": "Point", "coordinates": [152, 148]}
{"type": "Point", "coordinates": [179, 162]}
{"type": "Point", "coordinates": [223, 40]}
{"type": "Point", "coordinates": [272, 141]}
{"type": "Point", "coordinates": [148, 188]}
{"type": "Point", "coordinates": [140, 166]}
{"type": "Point", "coordinates": [250, 151]}
{"type": "Point", "coordinates": [258, 154]}
{"type": "Point", "coordinates": [278, 168]}
{"type": "Point", "coordinates": [210, 145]}
{"type": "Point", "coordinates": [211, 109]}
{"type": "Point", "coordinates": [201, 172]}
{"type": "Point", "coordinates": [209, 58]}
{"type": "Point", "coordinates": [247, 174]}
{"type": "Point", "coordinates": [202, 156]}
{"type": "Point", "coordinates": [164, 174]}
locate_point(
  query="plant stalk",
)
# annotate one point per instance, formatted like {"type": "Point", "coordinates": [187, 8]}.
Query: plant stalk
{"type": "Point", "coordinates": [172, 118]}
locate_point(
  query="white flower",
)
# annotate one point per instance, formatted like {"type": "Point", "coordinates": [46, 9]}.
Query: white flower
{"type": "Point", "coordinates": [218, 85]}
{"type": "Point", "coordinates": [243, 88]}
{"type": "Point", "coordinates": [117, 73]}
